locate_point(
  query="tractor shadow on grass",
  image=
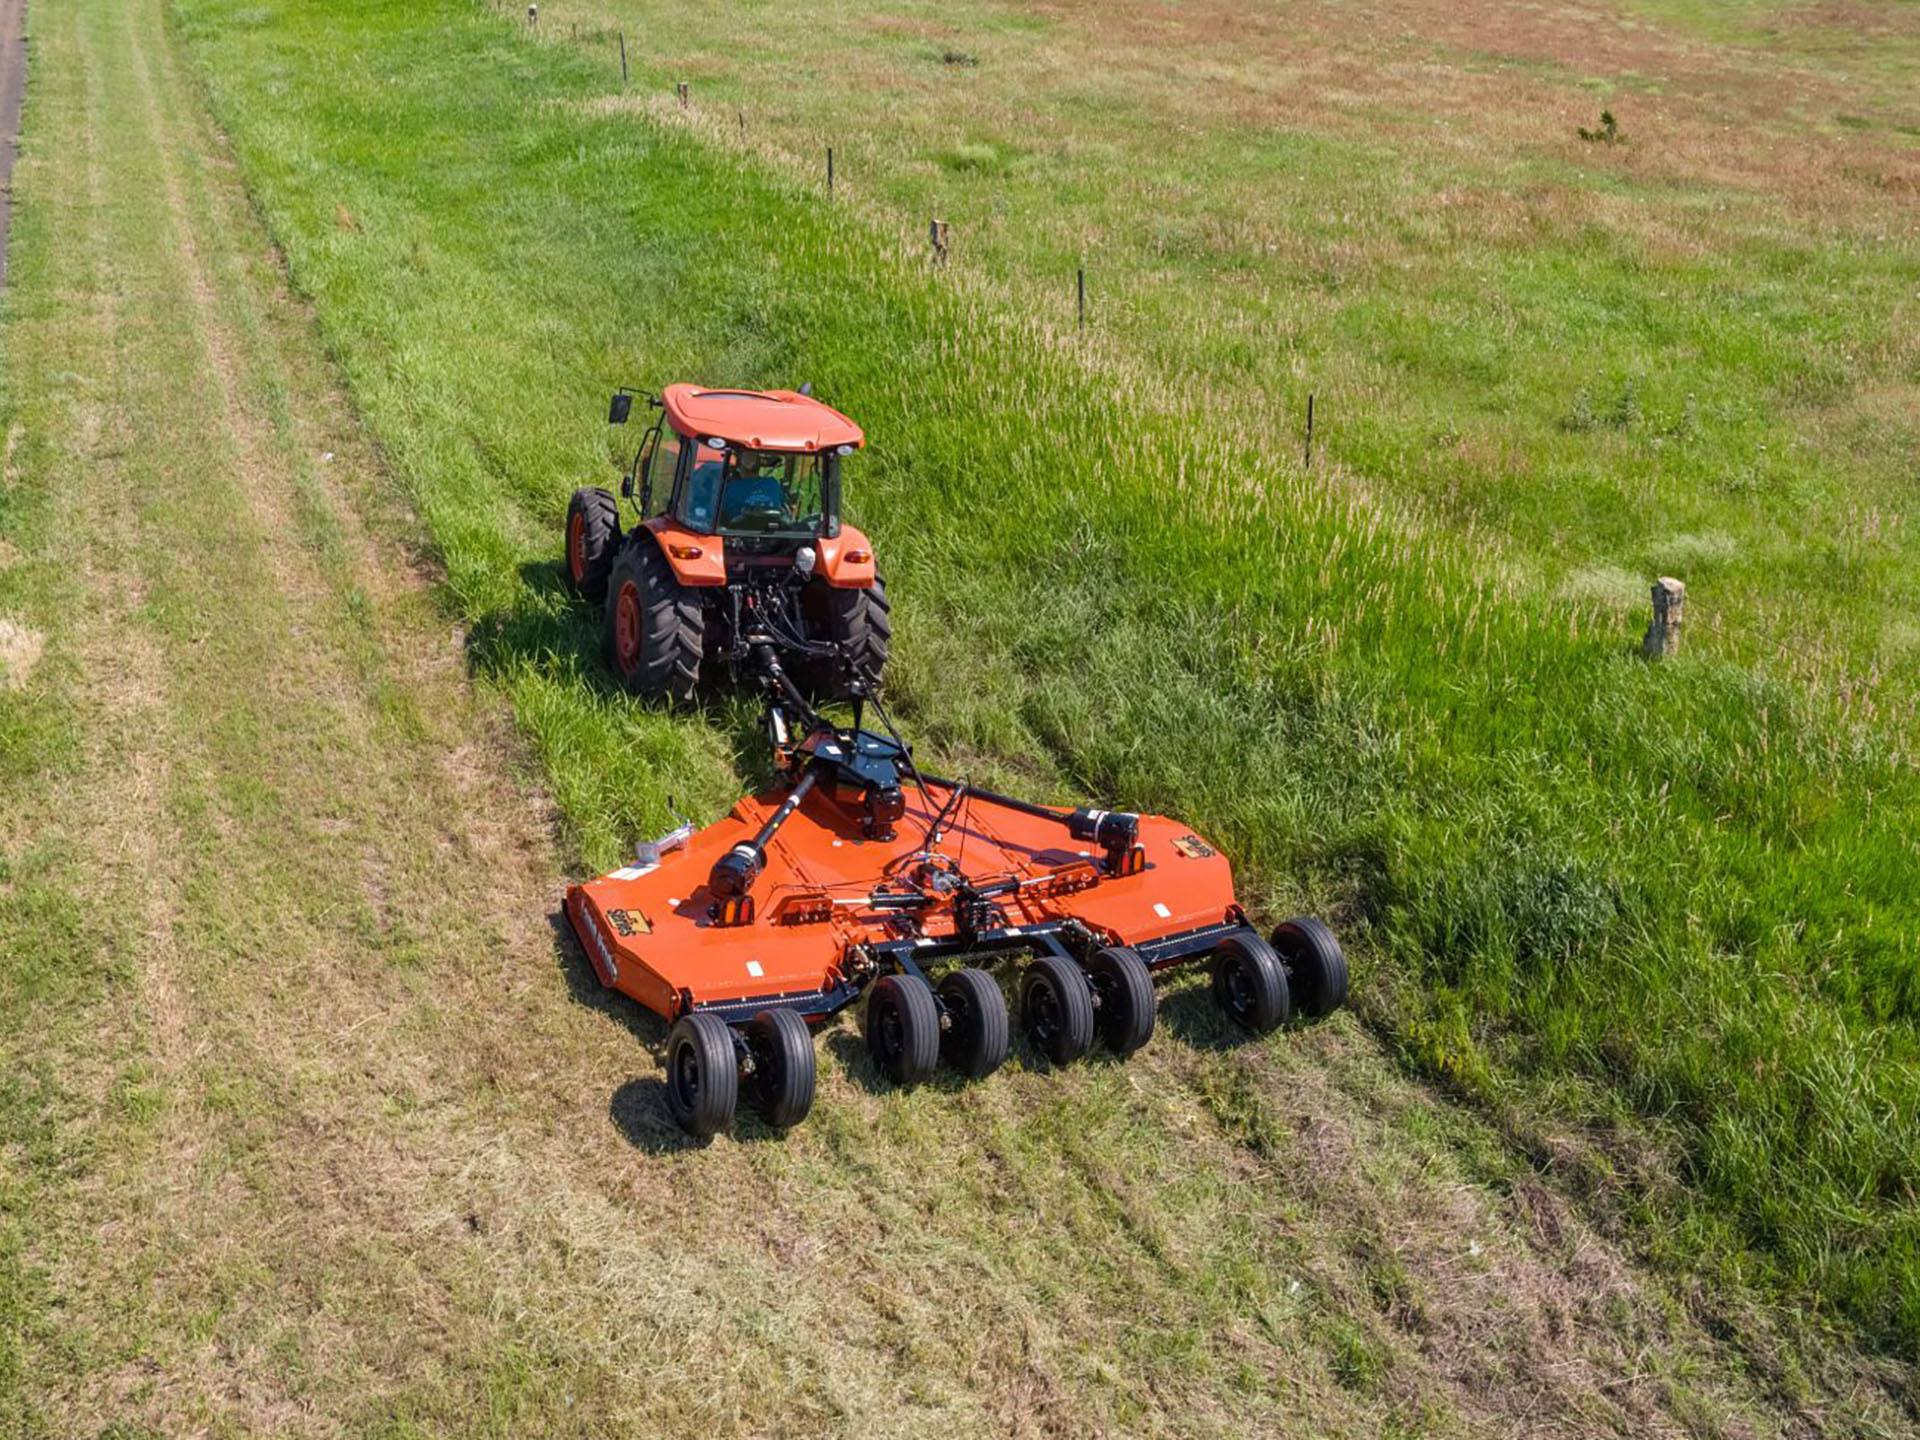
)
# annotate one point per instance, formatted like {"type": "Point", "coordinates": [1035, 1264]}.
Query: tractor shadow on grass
{"type": "Point", "coordinates": [548, 629]}
{"type": "Point", "coordinates": [544, 622]}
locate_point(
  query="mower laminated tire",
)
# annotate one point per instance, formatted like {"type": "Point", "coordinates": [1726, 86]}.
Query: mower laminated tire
{"type": "Point", "coordinates": [780, 1085]}
{"type": "Point", "coordinates": [593, 538]}
{"type": "Point", "coordinates": [703, 1074]}
{"type": "Point", "coordinates": [1128, 1004]}
{"type": "Point", "coordinates": [1250, 984]}
{"type": "Point", "coordinates": [655, 624]}
{"type": "Point", "coordinates": [975, 1040]}
{"type": "Point", "coordinates": [1316, 966]}
{"type": "Point", "coordinates": [1056, 1009]}
{"type": "Point", "coordinates": [903, 1028]}
{"type": "Point", "coordinates": [860, 623]}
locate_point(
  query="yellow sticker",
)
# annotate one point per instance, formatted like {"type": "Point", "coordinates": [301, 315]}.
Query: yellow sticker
{"type": "Point", "coordinates": [629, 922]}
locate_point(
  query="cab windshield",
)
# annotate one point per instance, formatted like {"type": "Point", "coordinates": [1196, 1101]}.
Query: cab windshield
{"type": "Point", "coordinates": [773, 493]}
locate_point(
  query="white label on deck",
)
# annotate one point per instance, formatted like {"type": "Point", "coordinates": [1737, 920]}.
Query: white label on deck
{"type": "Point", "coordinates": [632, 872]}
{"type": "Point", "coordinates": [753, 969]}
{"type": "Point", "coordinates": [1162, 911]}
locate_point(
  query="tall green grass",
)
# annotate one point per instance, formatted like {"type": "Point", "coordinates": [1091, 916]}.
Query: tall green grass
{"type": "Point", "coordinates": [1691, 353]}
{"type": "Point", "coordinates": [1670, 907]}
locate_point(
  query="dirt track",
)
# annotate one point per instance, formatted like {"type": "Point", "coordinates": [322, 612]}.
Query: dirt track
{"type": "Point", "coordinates": [13, 85]}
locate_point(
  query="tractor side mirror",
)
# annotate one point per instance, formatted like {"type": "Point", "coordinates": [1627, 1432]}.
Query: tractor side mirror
{"type": "Point", "coordinates": [620, 408]}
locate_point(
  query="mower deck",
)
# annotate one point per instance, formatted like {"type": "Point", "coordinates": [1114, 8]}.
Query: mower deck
{"type": "Point", "coordinates": [832, 906]}
{"type": "Point", "coordinates": [856, 873]}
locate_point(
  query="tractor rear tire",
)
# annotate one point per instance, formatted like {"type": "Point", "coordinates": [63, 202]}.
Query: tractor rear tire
{"type": "Point", "coordinates": [780, 1086]}
{"type": "Point", "coordinates": [975, 1040]}
{"type": "Point", "coordinates": [1316, 966]}
{"type": "Point", "coordinates": [1250, 984]}
{"type": "Point", "coordinates": [1128, 1004]}
{"type": "Point", "coordinates": [703, 1074]}
{"type": "Point", "coordinates": [860, 622]}
{"type": "Point", "coordinates": [1056, 1009]}
{"type": "Point", "coordinates": [655, 625]}
{"type": "Point", "coordinates": [593, 538]}
{"type": "Point", "coordinates": [903, 1028]}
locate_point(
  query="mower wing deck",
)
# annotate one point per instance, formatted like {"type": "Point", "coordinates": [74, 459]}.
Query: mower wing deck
{"type": "Point", "coordinates": [827, 894]}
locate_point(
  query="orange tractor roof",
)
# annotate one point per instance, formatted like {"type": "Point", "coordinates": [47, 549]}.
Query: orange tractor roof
{"type": "Point", "coordinates": [763, 419]}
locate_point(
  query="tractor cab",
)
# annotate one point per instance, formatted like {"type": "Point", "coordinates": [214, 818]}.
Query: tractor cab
{"type": "Point", "coordinates": [760, 467]}
{"type": "Point", "coordinates": [734, 542]}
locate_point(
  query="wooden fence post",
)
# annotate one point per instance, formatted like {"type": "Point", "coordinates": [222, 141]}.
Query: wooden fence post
{"type": "Point", "coordinates": [1669, 613]}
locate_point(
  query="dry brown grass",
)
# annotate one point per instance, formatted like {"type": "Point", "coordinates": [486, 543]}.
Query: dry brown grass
{"type": "Point", "coordinates": [20, 647]}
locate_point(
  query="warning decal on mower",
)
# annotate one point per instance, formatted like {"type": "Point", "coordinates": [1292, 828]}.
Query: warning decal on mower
{"type": "Point", "coordinates": [630, 922]}
{"type": "Point", "coordinates": [1193, 847]}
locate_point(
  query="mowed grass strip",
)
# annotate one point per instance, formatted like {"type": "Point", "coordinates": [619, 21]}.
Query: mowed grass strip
{"type": "Point", "coordinates": [1626, 902]}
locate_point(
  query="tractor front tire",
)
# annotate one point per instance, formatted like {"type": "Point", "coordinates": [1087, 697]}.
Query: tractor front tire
{"type": "Point", "coordinates": [780, 1085]}
{"type": "Point", "coordinates": [1316, 966]}
{"type": "Point", "coordinates": [860, 623]}
{"type": "Point", "coordinates": [975, 1040]}
{"type": "Point", "coordinates": [1056, 1009]}
{"type": "Point", "coordinates": [703, 1074]}
{"type": "Point", "coordinates": [655, 625]}
{"type": "Point", "coordinates": [1128, 1004]}
{"type": "Point", "coordinates": [593, 538]}
{"type": "Point", "coordinates": [1250, 984]}
{"type": "Point", "coordinates": [903, 1028]}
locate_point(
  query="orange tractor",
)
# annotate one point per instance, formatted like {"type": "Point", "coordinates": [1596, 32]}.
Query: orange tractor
{"type": "Point", "coordinates": [747, 541]}
{"type": "Point", "coordinates": [857, 873]}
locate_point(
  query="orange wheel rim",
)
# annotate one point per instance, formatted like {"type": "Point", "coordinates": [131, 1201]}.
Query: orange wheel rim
{"type": "Point", "coordinates": [626, 627]}
{"type": "Point", "coordinates": [577, 546]}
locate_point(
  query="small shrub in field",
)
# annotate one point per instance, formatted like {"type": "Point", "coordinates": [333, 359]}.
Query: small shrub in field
{"type": "Point", "coordinates": [1607, 132]}
{"type": "Point", "coordinates": [1582, 418]}
{"type": "Point", "coordinates": [1626, 410]}
{"type": "Point", "coordinates": [972, 158]}
{"type": "Point", "coordinates": [1585, 416]}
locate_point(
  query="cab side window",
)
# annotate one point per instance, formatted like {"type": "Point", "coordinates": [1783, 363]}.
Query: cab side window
{"type": "Point", "coordinates": [703, 490]}
{"type": "Point", "coordinates": [661, 467]}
